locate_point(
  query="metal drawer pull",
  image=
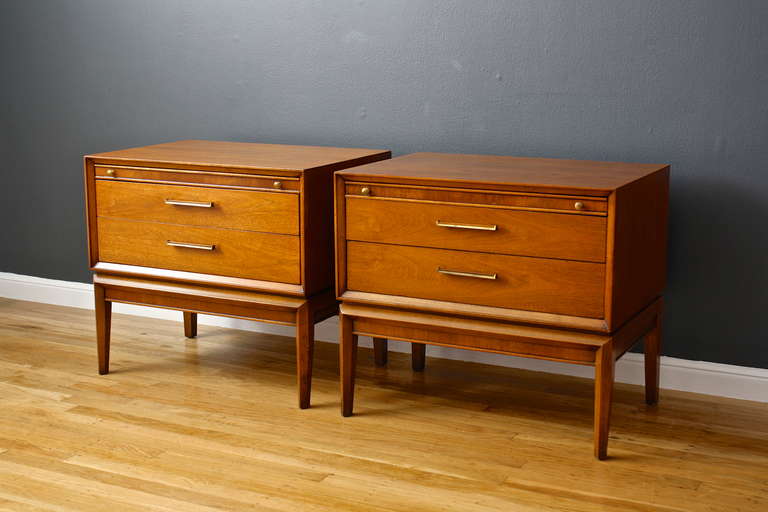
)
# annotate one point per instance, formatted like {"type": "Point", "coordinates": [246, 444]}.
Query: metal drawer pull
{"type": "Point", "coordinates": [197, 204]}
{"type": "Point", "coordinates": [478, 227]}
{"type": "Point", "coordinates": [202, 247]}
{"type": "Point", "coordinates": [476, 275]}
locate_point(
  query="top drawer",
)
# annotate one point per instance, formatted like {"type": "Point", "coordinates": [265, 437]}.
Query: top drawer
{"type": "Point", "coordinates": [250, 210]}
{"type": "Point", "coordinates": [482, 227]}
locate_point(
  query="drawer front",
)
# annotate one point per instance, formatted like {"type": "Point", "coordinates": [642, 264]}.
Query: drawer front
{"type": "Point", "coordinates": [535, 201]}
{"type": "Point", "coordinates": [477, 228]}
{"type": "Point", "coordinates": [226, 252]}
{"type": "Point", "coordinates": [545, 285]}
{"type": "Point", "coordinates": [269, 212]}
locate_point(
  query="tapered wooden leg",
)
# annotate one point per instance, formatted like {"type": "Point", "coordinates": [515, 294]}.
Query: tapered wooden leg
{"type": "Point", "coordinates": [305, 347]}
{"type": "Point", "coordinates": [380, 351]}
{"type": "Point", "coordinates": [604, 366]}
{"type": "Point", "coordinates": [103, 328]}
{"type": "Point", "coordinates": [418, 356]}
{"type": "Point", "coordinates": [347, 362]}
{"type": "Point", "coordinates": [190, 324]}
{"type": "Point", "coordinates": [652, 363]}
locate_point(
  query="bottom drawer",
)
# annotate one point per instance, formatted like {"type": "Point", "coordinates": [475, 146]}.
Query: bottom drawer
{"type": "Point", "coordinates": [533, 284]}
{"type": "Point", "coordinates": [226, 252]}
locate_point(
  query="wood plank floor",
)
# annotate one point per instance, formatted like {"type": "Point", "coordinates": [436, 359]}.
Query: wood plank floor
{"type": "Point", "coordinates": [212, 424]}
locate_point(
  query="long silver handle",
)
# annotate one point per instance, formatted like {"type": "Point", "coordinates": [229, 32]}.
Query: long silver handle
{"type": "Point", "coordinates": [197, 204]}
{"type": "Point", "coordinates": [478, 227]}
{"type": "Point", "coordinates": [476, 275]}
{"type": "Point", "coordinates": [202, 247]}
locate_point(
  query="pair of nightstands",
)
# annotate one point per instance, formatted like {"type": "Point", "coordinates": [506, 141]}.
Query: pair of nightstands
{"type": "Point", "coordinates": [552, 259]}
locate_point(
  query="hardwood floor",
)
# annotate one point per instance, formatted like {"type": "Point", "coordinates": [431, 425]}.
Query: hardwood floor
{"type": "Point", "coordinates": [212, 424]}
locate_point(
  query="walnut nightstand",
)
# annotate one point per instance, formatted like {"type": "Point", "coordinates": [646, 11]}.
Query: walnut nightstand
{"type": "Point", "coordinates": [562, 260]}
{"type": "Point", "coordinates": [223, 228]}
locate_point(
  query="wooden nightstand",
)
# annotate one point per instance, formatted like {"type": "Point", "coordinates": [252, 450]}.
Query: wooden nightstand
{"type": "Point", "coordinates": [222, 228]}
{"type": "Point", "coordinates": [562, 260]}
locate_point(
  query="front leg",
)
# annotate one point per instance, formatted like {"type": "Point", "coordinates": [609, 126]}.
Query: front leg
{"type": "Point", "coordinates": [604, 375]}
{"type": "Point", "coordinates": [347, 363]}
{"type": "Point", "coordinates": [305, 345]}
{"type": "Point", "coordinates": [103, 327]}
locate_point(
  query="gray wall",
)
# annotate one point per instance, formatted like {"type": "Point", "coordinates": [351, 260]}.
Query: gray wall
{"type": "Point", "coordinates": [682, 82]}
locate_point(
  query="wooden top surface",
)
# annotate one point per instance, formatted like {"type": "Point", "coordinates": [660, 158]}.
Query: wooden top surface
{"type": "Point", "coordinates": [244, 155]}
{"type": "Point", "coordinates": [509, 172]}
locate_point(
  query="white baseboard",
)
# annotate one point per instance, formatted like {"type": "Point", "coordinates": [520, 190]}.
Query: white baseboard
{"type": "Point", "coordinates": [679, 374]}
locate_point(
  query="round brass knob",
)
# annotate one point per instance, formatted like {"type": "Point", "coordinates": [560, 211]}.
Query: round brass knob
{"type": "Point", "coordinates": [365, 191]}
{"type": "Point", "coordinates": [277, 184]}
{"type": "Point", "coordinates": [578, 205]}
{"type": "Point", "coordinates": [110, 172]}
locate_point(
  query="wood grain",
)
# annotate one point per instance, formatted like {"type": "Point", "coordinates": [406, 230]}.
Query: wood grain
{"type": "Point", "coordinates": [211, 424]}
{"type": "Point", "coordinates": [347, 364]}
{"type": "Point", "coordinates": [210, 179]}
{"type": "Point", "coordinates": [539, 342]}
{"type": "Point", "coordinates": [518, 340]}
{"type": "Point", "coordinates": [493, 199]}
{"type": "Point", "coordinates": [103, 313]}
{"type": "Point", "coordinates": [448, 249]}
{"type": "Point", "coordinates": [180, 276]}
{"type": "Point", "coordinates": [305, 343]}
{"type": "Point", "coordinates": [260, 247]}
{"type": "Point", "coordinates": [604, 375]}
{"type": "Point", "coordinates": [480, 312]}
{"type": "Point", "coordinates": [522, 233]}
{"type": "Point", "coordinates": [89, 194]}
{"type": "Point", "coordinates": [552, 286]}
{"type": "Point", "coordinates": [558, 176]}
{"type": "Point", "coordinates": [245, 210]}
{"type": "Point", "coordinates": [245, 254]}
{"type": "Point", "coordinates": [637, 269]}
{"type": "Point", "coordinates": [244, 156]}
{"type": "Point", "coordinates": [317, 231]}
{"type": "Point", "coordinates": [201, 299]}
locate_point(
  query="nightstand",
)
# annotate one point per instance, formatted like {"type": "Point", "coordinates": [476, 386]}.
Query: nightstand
{"type": "Point", "coordinates": [562, 260]}
{"type": "Point", "coordinates": [223, 228]}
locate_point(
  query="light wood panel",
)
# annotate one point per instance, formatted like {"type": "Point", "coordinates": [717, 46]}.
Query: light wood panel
{"type": "Point", "coordinates": [179, 276]}
{"type": "Point", "coordinates": [219, 179]}
{"type": "Point", "coordinates": [559, 176]}
{"type": "Point", "coordinates": [248, 210]}
{"type": "Point", "coordinates": [526, 201]}
{"type": "Point", "coordinates": [473, 228]}
{"type": "Point", "coordinates": [252, 255]}
{"type": "Point", "coordinates": [211, 424]}
{"type": "Point", "coordinates": [243, 156]}
{"type": "Point", "coordinates": [534, 284]}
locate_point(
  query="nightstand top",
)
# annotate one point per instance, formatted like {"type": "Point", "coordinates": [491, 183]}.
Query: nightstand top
{"type": "Point", "coordinates": [242, 155]}
{"type": "Point", "coordinates": [507, 172]}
